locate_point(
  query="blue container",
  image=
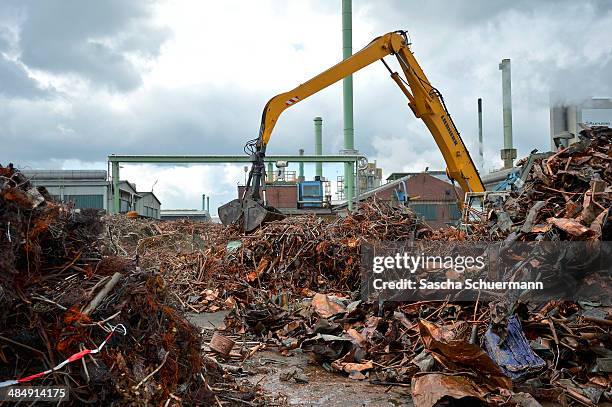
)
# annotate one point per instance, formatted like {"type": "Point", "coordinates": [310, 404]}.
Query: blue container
{"type": "Point", "coordinates": [310, 194]}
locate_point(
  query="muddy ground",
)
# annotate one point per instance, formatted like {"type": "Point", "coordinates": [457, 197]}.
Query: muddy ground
{"type": "Point", "coordinates": [323, 388]}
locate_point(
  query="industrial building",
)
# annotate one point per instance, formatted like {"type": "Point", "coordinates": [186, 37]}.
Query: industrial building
{"type": "Point", "coordinates": [148, 205]}
{"type": "Point", "coordinates": [430, 197]}
{"type": "Point", "coordinates": [567, 120]}
{"type": "Point", "coordinates": [191, 214]}
{"type": "Point", "coordinates": [91, 189]}
{"type": "Point", "coordinates": [84, 188]}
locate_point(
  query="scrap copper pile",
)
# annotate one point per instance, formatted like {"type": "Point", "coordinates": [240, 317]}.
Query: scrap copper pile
{"type": "Point", "coordinates": [566, 196]}
{"type": "Point", "coordinates": [207, 266]}
{"type": "Point", "coordinates": [188, 255]}
{"type": "Point", "coordinates": [306, 252]}
{"type": "Point", "coordinates": [499, 353]}
{"type": "Point", "coordinates": [73, 316]}
{"type": "Point", "coordinates": [293, 284]}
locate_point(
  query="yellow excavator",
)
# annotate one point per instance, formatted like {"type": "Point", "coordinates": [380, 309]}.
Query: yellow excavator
{"type": "Point", "coordinates": [426, 102]}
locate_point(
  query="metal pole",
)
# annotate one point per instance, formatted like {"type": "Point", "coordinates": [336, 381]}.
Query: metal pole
{"type": "Point", "coordinates": [301, 167]}
{"type": "Point", "coordinates": [116, 193]}
{"type": "Point", "coordinates": [480, 152]}
{"type": "Point", "coordinates": [357, 192]}
{"type": "Point", "coordinates": [508, 154]}
{"type": "Point", "coordinates": [270, 172]}
{"type": "Point", "coordinates": [318, 127]}
{"type": "Point", "coordinates": [347, 92]}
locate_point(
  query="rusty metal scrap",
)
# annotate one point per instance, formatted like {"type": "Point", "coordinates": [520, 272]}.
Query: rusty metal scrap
{"type": "Point", "coordinates": [61, 291]}
{"type": "Point", "coordinates": [293, 285]}
{"type": "Point", "coordinates": [565, 196]}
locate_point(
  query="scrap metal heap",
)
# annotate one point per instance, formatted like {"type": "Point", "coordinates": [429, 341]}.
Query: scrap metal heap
{"type": "Point", "coordinates": [65, 293]}
{"type": "Point", "coordinates": [294, 285]}
{"type": "Point", "coordinates": [566, 196]}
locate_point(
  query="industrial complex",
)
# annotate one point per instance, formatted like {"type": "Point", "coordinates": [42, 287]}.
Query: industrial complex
{"type": "Point", "coordinates": [317, 277]}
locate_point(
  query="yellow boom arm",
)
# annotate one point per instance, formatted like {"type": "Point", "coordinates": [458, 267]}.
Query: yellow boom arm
{"type": "Point", "coordinates": [424, 100]}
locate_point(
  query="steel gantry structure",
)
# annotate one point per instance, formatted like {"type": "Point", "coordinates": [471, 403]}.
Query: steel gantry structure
{"type": "Point", "coordinates": [355, 160]}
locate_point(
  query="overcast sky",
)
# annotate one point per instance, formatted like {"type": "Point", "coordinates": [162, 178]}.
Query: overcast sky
{"type": "Point", "coordinates": [82, 80]}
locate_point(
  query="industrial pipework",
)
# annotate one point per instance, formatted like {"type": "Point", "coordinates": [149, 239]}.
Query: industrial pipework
{"type": "Point", "coordinates": [115, 159]}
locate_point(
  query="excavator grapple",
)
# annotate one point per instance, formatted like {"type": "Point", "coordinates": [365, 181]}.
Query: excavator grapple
{"type": "Point", "coordinates": [248, 214]}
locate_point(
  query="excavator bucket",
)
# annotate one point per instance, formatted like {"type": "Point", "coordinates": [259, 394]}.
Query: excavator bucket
{"type": "Point", "coordinates": [248, 214]}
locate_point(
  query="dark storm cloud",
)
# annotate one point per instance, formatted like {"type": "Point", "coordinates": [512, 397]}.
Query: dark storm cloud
{"type": "Point", "coordinates": [14, 79]}
{"type": "Point", "coordinates": [554, 45]}
{"type": "Point", "coordinates": [16, 82]}
{"type": "Point", "coordinates": [89, 38]}
{"type": "Point", "coordinates": [91, 130]}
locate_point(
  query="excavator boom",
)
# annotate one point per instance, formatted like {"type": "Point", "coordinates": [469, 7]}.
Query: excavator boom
{"type": "Point", "coordinates": [424, 100]}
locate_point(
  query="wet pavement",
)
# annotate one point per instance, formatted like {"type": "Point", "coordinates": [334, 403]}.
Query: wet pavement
{"type": "Point", "coordinates": [322, 388]}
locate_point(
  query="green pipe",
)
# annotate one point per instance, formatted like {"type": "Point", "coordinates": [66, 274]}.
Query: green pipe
{"type": "Point", "coordinates": [318, 127]}
{"type": "Point", "coordinates": [301, 170]}
{"type": "Point", "coordinates": [270, 172]}
{"type": "Point", "coordinates": [116, 192]}
{"type": "Point", "coordinates": [347, 98]}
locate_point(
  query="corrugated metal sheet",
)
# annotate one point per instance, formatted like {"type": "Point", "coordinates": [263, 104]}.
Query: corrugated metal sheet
{"type": "Point", "coordinates": [428, 211]}
{"type": "Point", "coordinates": [86, 201]}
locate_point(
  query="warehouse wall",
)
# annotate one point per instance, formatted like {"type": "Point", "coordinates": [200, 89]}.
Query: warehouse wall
{"type": "Point", "coordinates": [148, 206]}
{"type": "Point", "coordinates": [82, 196]}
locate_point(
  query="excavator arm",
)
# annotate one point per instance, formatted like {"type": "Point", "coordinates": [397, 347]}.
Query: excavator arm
{"type": "Point", "coordinates": [424, 100]}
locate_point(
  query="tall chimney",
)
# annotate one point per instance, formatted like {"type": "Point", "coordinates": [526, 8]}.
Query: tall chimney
{"type": "Point", "coordinates": [301, 170]}
{"type": "Point", "coordinates": [347, 92]}
{"type": "Point", "coordinates": [508, 154]}
{"type": "Point", "coordinates": [318, 128]}
{"type": "Point", "coordinates": [203, 202]}
{"type": "Point", "coordinates": [208, 204]}
{"type": "Point", "coordinates": [480, 152]}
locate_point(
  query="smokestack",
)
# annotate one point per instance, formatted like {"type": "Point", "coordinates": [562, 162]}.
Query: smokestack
{"type": "Point", "coordinates": [203, 202]}
{"type": "Point", "coordinates": [208, 204]}
{"type": "Point", "coordinates": [480, 152]}
{"type": "Point", "coordinates": [301, 171]}
{"type": "Point", "coordinates": [347, 92]}
{"type": "Point", "coordinates": [318, 127]}
{"type": "Point", "coordinates": [508, 154]}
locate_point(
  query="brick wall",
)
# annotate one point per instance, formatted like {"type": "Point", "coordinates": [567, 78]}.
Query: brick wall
{"type": "Point", "coordinates": [279, 196]}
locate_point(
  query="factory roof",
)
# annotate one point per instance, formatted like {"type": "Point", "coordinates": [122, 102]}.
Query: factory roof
{"type": "Point", "coordinates": [150, 193]}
